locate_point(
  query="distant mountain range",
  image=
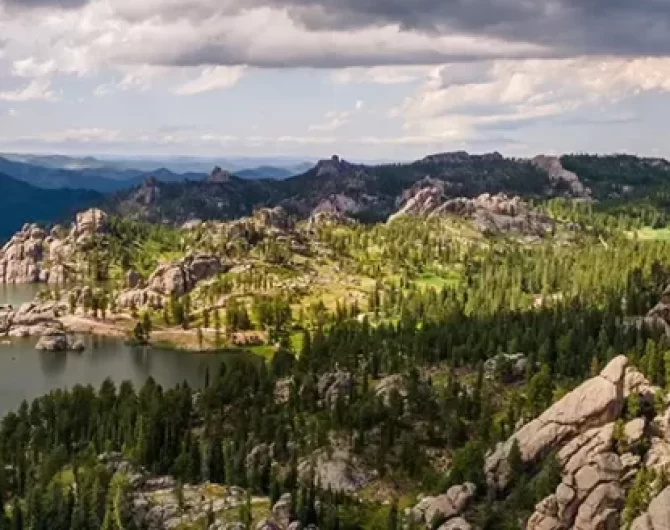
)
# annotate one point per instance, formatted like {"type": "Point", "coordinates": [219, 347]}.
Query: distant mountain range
{"type": "Point", "coordinates": [20, 202]}
{"type": "Point", "coordinates": [332, 186]}
{"type": "Point", "coordinates": [107, 176]}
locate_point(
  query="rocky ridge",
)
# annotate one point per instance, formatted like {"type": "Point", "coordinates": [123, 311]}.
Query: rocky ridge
{"type": "Point", "coordinates": [490, 214]}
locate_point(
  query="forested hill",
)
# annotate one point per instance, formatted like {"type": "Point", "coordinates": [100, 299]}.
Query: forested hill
{"type": "Point", "coordinates": [21, 202]}
{"type": "Point", "coordinates": [370, 192]}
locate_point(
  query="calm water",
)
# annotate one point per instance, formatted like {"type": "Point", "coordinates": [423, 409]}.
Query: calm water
{"type": "Point", "coordinates": [26, 373]}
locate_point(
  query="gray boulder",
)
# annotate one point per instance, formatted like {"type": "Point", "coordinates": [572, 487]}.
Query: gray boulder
{"type": "Point", "coordinates": [594, 403]}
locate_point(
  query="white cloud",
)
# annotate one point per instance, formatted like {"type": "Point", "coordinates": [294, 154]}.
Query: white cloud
{"type": "Point", "coordinates": [213, 78]}
{"type": "Point", "coordinates": [12, 113]}
{"type": "Point", "coordinates": [30, 67]}
{"type": "Point", "coordinates": [37, 89]}
{"type": "Point", "coordinates": [460, 101]}
{"type": "Point", "coordinates": [334, 120]}
{"type": "Point", "coordinates": [381, 75]}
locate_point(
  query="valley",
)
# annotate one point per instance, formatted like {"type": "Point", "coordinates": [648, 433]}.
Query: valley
{"type": "Point", "coordinates": [466, 341]}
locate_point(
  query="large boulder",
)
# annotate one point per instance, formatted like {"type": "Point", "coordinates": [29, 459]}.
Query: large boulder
{"type": "Point", "coordinates": [444, 507]}
{"type": "Point", "coordinates": [594, 403]}
{"type": "Point", "coordinates": [181, 277]}
{"type": "Point", "coordinates": [53, 340]}
{"type": "Point", "coordinates": [334, 385]}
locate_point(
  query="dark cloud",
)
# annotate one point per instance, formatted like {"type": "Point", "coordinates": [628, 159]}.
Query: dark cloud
{"type": "Point", "coordinates": [625, 27]}
{"type": "Point", "coordinates": [36, 4]}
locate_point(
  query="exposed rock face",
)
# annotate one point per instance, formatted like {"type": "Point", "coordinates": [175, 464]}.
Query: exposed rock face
{"type": "Point", "coordinates": [24, 258]}
{"type": "Point", "coordinates": [281, 511]}
{"type": "Point", "coordinates": [596, 402]}
{"type": "Point", "coordinates": [170, 279]}
{"type": "Point", "coordinates": [657, 517]}
{"type": "Point", "coordinates": [180, 277]}
{"type": "Point", "coordinates": [89, 222]}
{"type": "Point", "coordinates": [457, 523]}
{"type": "Point", "coordinates": [333, 385]}
{"type": "Point", "coordinates": [338, 206]}
{"type": "Point", "coordinates": [273, 219]}
{"type": "Point", "coordinates": [446, 507]}
{"type": "Point", "coordinates": [557, 173]}
{"type": "Point", "coordinates": [338, 471]}
{"type": "Point", "coordinates": [489, 213]}
{"type": "Point", "coordinates": [21, 258]}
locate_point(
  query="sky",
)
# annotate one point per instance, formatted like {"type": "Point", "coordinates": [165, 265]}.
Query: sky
{"type": "Point", "coordinates": [366, 79]}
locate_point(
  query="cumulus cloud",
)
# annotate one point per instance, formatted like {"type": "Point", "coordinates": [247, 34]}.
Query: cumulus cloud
{"type": "Point", "coordinates": [214, 78]}
{"type": "Point", "coordinates": [37, 89]}
{"type": "Point", "coordinates": [508, 92]}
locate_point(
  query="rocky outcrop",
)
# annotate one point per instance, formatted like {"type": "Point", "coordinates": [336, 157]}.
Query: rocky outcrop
{"type": "Point", "coordinates": [273, 219]}
{"type": "Point", "coordinates": [39, 320]}
{"type": "Point", "coordinates": [181, 277]}
{"type": "Point", "coordinates": [337, 470]}
{"type": "Point", "coordinates": [590, 495]}
{"type": "Point", "coordinates": [171, 279]}
{"type": "Point", "coordinates": [595, 403]}
{"type": "Point", "coordinates": [445, 508]}
{"type": "Point", "coordinates": [559, 175]}
{"type": "Point", "coordinates": [22, 256]}
{"type": "Point", "coordinates": [32, 256]}
{"type": "Point", "coordinates": [334, 385]}
{"type": "Point", "coordinates": [489, 213]}
{"type": "Point", "coordinates": [598, 454]}
{"type": "Point", "coordinates": [57, 340]}
{"type": "Point", "coordinates": [332, 167]}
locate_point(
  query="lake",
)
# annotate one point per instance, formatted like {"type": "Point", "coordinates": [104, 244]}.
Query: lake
{"type": "Point", "coordinates": [26, 373]}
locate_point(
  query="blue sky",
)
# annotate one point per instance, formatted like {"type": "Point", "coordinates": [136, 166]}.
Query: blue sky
{"type": "Point", "coordinates": [373, 79]}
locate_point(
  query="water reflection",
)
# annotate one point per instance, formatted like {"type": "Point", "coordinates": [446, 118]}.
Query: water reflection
{"type": "Point", "coordinates": [53, 363]}
{"type": "Point", "coordinates": [26, 373]}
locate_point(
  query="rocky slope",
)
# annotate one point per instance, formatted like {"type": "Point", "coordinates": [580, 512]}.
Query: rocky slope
{"type": "Point", "coordinates": [365, 192]}
{"type": "Point", "coordinates": [490, 214]}
{"type": "Point", "coordinates": [600, 447]}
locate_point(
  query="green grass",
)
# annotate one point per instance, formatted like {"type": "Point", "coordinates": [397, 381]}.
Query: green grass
{"type": "Point", "coordinates": [651, 234]}
{"type": "Point", "coordinates": [439, 279]}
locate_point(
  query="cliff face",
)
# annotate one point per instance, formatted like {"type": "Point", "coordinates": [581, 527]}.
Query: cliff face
{"type": "Point", "coordinates": [32, 255]}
